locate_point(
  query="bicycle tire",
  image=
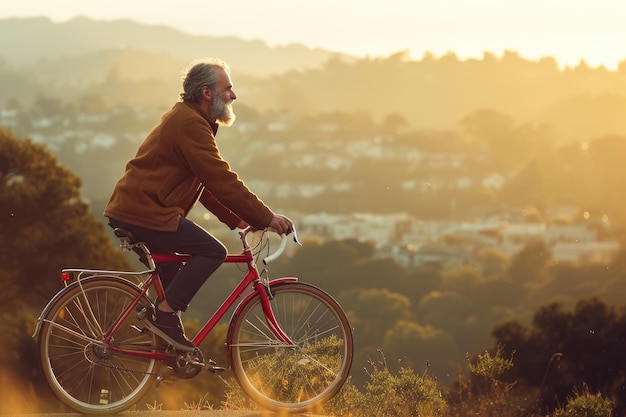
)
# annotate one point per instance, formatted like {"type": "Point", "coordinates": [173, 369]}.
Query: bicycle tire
{"type": "Point", "coordinates": [283, 377]}
{"type": "Point", "coordinates": [80, 370]}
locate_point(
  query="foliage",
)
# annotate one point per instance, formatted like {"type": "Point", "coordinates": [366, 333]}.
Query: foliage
{"type": "Point", "coordinates": [529, 265]}
{"type": "Point", "coordinates": [372, 310]}
{"type": "Point", "coordinates": [20, 374]}
{"type": "Point", "coordinates": [45, 224]}
{"type": "Point", "coordinates": [154, 406]}
{"type": "Point", "coordinates": [401, 394]}
{"type": "Point", "coordinates": [484, 392]}
{"type": "Point", "coordinates": [566, 350]}
{"type": "Point", "coordinates": [235, 398]}
{"type": "Point", "coordinates": [586, 405]}
{"type": "Point", "coordinates": [490, 366]}
{"type": "Point", "coordinates": [289, 376]}
{"type": "Point", "coordinates": [435, 346]}
{"type": "Point", "coordinates": [333, 277]}
{"type": "Point", "coordinates": [406, 394]}
{"type": "Point", "coordinates": [348, 402]}
{"type": "Point", "coordinates": [202, 404]}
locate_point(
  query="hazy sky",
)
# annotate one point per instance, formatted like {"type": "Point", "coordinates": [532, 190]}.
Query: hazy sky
{"type": "Point", "coordinates": [569, 30]}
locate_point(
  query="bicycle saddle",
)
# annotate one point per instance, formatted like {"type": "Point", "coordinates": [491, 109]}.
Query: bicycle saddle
{"type": "Point", "coordinates": [121, 233]}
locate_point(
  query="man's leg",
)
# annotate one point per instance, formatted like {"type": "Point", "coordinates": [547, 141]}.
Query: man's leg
{"type": "Point", "coordinates": [207, 254]}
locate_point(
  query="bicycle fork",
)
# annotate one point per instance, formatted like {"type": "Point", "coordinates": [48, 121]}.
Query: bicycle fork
{"type": "Point", "coordinates": [265, 292]}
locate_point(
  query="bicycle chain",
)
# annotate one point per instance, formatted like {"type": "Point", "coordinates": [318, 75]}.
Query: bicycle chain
{"type": "Point", "coordinates": [93, 359]}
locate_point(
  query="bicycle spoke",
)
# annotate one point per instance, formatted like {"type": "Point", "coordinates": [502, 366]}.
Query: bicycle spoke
{"type": "Point", "coordinates": [84, 372]}
{"type": "Point", "coordinates": [294, 377]}
{"type": "Point", "coordinates": [80, 335]}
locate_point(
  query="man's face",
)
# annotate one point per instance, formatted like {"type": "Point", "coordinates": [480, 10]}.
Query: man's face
{"type": "Point", "coordinates": [222, 100]}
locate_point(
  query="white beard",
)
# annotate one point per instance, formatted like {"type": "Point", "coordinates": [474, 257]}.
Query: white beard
{"type": "Point", "coordinates": [222, 111]}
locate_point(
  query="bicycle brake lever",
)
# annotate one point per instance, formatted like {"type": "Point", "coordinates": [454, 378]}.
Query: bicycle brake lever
{"type": "Point", "coordinates": [295, 237]}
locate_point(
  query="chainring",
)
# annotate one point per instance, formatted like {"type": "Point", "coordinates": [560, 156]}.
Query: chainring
{"type": "Point", "coordinates": [186, 365]}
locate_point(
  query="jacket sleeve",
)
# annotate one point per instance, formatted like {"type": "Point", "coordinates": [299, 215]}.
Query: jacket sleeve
{"type": "Point", "coordinates": [223, 213]}
{"type": "Point", "coordinates": [225, 193]}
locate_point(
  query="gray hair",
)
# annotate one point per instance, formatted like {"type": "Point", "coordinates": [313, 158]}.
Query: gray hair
{"type": "Point", "coordinates": [201, 73]}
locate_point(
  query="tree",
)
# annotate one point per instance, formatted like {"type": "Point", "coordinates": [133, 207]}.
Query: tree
{"type": "Point", "coordinates": [415, 345]}
{"type": "Point", "coordinates": [371, 313]}
{"type": "Point", "coordinates": [45, 224]}
{"type": "Point", "coordinates": [528, 187]}
{"type": "Point", "coordinates": [394, 122]}
{"type": "Point", "coordinates": [565, 351]}
{"type": "Point", "coordinates": [490, 127]}
{"type": "Point", "coordinates": [445, 310]}
{"type": "Point", "coordinates": [530, 264]}
{"type": "Point", "coordinates": [376, 308]}
{"type": "Point", "coordinates": [512, 146]}
{"type": "Point", "coordinates": [329, 265]}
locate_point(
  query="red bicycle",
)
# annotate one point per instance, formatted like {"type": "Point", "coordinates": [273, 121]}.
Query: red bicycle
{"type": "Point", "coordinates": [289, 343]}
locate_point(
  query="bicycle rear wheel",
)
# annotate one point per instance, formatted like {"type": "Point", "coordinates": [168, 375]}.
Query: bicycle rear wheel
{"type": "Point", "coordinates": [81, 370]}
{"type": "Point", "coordinates": [296, 377]}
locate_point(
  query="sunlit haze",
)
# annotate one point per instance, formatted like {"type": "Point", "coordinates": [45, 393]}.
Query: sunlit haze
{"type": "Point", "coordinates": [567, 30]}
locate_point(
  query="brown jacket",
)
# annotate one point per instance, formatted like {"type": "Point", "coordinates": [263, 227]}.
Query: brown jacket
{"type": "Point", "coordinates": [176, 165]}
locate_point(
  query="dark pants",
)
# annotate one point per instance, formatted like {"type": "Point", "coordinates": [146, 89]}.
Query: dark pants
{"type": "Point", "coordinates": [182, 282]}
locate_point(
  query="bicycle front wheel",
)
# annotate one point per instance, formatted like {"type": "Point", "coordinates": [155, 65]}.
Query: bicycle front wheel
{"type": "Point", "coordinates": [296, 377]}
{"type": "Point", "coordinates": [81, 370]}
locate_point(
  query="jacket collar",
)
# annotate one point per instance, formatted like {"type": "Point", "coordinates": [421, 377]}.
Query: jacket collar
{"type": "Point", "coordinates": [212, 123]}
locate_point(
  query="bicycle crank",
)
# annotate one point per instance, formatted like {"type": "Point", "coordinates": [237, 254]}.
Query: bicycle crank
{"type": "Point", "coordinates": [187, 365]}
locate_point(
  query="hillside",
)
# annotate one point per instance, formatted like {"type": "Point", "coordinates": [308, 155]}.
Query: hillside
{"type": "Point", "coordinates": [127, 63]}
{"type": "Point", "coordinates": [43, 40]}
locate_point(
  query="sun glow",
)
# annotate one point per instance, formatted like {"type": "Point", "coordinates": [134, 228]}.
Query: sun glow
{"type": "Point", "coordinates": [568, 31]}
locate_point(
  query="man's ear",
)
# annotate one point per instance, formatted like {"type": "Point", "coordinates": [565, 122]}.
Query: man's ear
{"type": "Point", "coordinates": [206, 93]}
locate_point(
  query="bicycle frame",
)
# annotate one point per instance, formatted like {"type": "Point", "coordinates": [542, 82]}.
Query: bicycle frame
{"type": "Point", "coordinates": [252, 277]}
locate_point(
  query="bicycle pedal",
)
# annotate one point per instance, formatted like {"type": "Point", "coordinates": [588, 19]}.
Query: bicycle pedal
{"type": "Point", "coordinates": [212, 366]}
{"type": "Point", "coordinates": [196, 364]}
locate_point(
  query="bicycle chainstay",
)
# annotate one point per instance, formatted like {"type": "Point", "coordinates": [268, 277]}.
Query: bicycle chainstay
{"type": "Point", "coordinates": [178, 366]}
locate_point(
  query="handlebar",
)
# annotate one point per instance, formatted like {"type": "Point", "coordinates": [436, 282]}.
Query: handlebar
{"type": "Point", "coordinates": [281, 246]}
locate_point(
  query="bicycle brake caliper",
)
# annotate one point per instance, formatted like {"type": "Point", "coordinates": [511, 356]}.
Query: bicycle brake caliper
{"type": "Point", "coordinates": [265, 280]}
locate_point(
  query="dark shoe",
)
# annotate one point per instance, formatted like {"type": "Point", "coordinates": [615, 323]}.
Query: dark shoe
{"type": "Point", "coordinates": [169, 327]}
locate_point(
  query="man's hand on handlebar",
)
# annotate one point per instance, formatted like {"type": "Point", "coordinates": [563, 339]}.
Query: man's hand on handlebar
{"type": "Point", "coordinates": [281, 224]}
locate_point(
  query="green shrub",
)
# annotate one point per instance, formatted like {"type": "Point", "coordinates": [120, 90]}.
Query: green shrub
{"type": "Point", "coordinates": [346, 403]}
{"type": "Point", "coordinates": [235, 398]}
{"type": "Point", "coordinates": [405, 394]}
{"type": "Point", "coordinates": [490, 366]}
{"type": "Point", "coordinates": [484, 393]}
{"type": "Point", "coordinates": [586, 405]}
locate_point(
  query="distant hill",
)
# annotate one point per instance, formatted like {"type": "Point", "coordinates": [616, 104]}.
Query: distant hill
{"type": "Point", "coordinates": [128, 63]}
{"type": "Point", "coordinates": [40, 39]}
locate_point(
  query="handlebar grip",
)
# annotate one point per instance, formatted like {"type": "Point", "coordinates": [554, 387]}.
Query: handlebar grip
{"type": "Point", "coordinates": [279, 251]}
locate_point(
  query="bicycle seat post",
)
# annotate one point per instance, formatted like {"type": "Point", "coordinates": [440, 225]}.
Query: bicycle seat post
{"type": "Point", "coordinates": [128, 243]}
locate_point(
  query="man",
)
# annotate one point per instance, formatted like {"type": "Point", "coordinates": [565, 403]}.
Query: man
{"type": "Point", "coordinates": [177, 165]}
